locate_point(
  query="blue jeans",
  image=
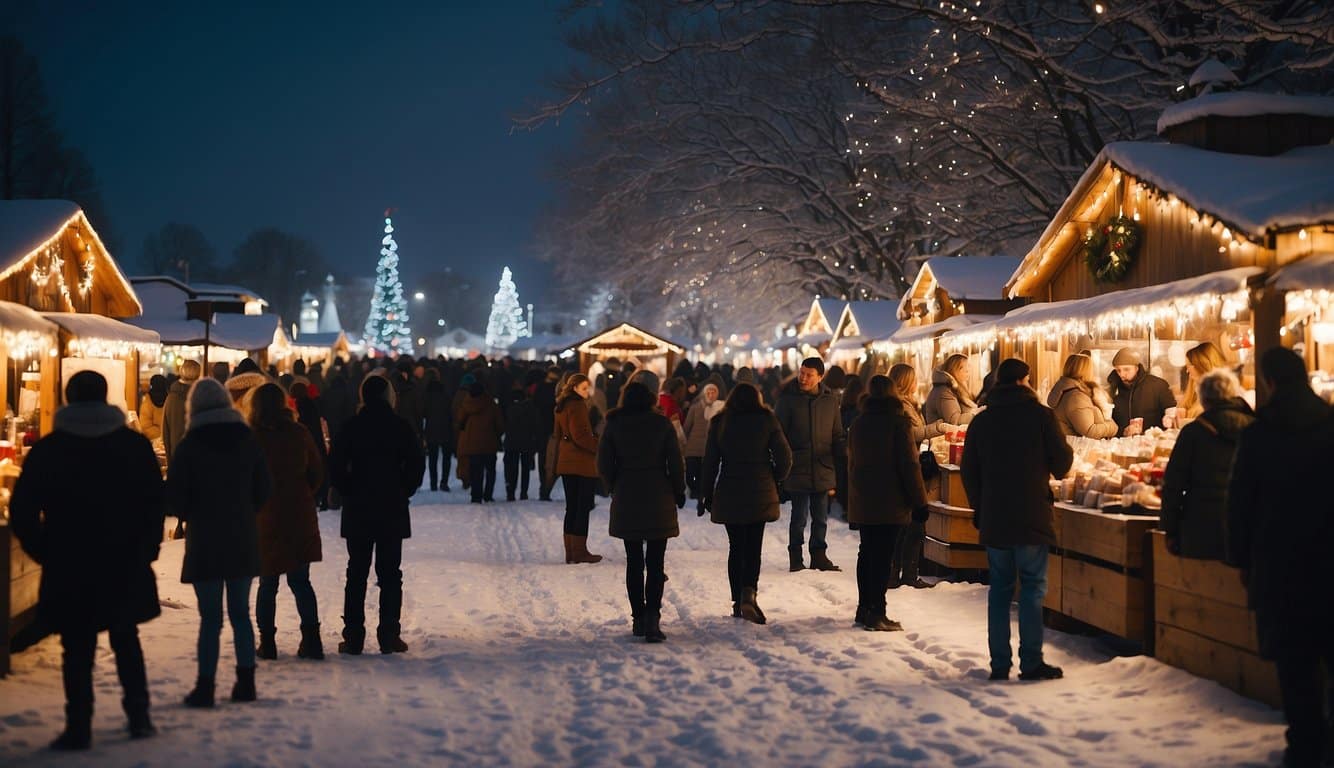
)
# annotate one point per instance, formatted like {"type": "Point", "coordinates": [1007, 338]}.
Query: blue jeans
{"type": "Point", "coordinates": [816, 507]}
{"type": "Point", "coordinates": [266, 599]}
{"type": "Point", "coordinates": [209, 594]}
{"type": "Point", "coordinates": [1029, 565]}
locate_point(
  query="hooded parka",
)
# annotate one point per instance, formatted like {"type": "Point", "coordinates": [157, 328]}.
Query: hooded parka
{"type": "Point", "coordinates": [745, 458]}
{"type": "Point", "coordinates": [640, 461]}
{"type": "Point", "coordinates": [1195, 484]}
{"type": "Point", "coordinates": [884, 476]}
{"type": "Point", "coordinates": [1076, 411]}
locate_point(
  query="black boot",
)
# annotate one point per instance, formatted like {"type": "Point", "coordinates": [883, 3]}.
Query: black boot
{"type": "Point", "coordinates": [353, 639]}
{"type": "Point", "coordinates": [202, 696]}
{"type": "Point", "coordinates": [244, 689]}
{"type": "Point", "coordinates": [392, 644]}
{"type": "Point", "coordinates": [311, 647]}
{"type": "Point", "coordinates": [794, 560]}
{"type": "Point", "coordinates": [141, 726]}
{"type": "Point", "coordinates": [78, 733]}
{"type": "Point", "coordinates": [820, 562]}
{"type": "Point", "coordinates": [652, 632]}
{"type": "Point", "coordinates": [268, 646]}
{"type": "Point", "coordinates": [750, 611]}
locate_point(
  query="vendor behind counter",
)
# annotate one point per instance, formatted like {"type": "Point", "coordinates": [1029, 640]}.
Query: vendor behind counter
{"type": "Point", "coordinates": [1137, 394]}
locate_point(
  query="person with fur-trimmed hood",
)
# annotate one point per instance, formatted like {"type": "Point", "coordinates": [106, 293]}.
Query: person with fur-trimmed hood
{"type": "Point", "coordinates": [245, 378]}
{"type": "Point", "coordinates": [216, 486]}
{"type": "Point", "coordinates": [640, 461]}
{"type": "Point", "coordinates": [696, 428]}
{"type": "Point", "coordinates": [376, 464]}
{"type": "Point", "coordinates": [95, 540]}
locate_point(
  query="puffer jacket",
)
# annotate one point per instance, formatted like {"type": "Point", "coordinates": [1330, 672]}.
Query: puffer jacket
{"type": "Point", "coordinates": [813, 427]}
{"type": "Point", "coordinates": [884, 476]}
{"type": "Point", "coordinates": [744, 460]}
{"type": "Point", "coordinates": [640, 461]}
{"type": "Point", "coordinates": [947, 401]}
{"type": "Point", "coordinates": [1076, 411]}
{"type": "Point", "coordinates": [1195, 484]}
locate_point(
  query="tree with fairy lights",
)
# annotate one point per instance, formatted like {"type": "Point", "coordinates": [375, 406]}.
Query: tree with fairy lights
{"type": "Point", "coordinates": [387, 325]}
{"type": "Point", "coordinates": [507, 323]}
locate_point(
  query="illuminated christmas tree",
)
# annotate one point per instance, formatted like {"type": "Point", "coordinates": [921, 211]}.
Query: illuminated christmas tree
{"type": "Point", "coordinates": [387, 325]}
{"type": "Point", "coordinates": [507, 322]}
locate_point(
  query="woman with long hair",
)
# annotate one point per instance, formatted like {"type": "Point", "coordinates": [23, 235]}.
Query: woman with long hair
{"type": "Point", "coordinates": [949, 400]}
{"type": "Point", "coordinates": [1075, 400]}
{"type": "Point", "coordinates": [640, 461]}
{"type": "Point", "coordinates": [289, 525]}
{"type": "Point", "coordinates": [1200, 360]}
{"type": "Point", "coordinates": [885, 495]}
{"type": "Point", "coordinates": [744, 460]}
{"type": "Point", "coordinates": [907, 557]}
{"type": "Point", "coordinates": [903, 384]}
{"type": "Point", "coordinates": [576, 463]}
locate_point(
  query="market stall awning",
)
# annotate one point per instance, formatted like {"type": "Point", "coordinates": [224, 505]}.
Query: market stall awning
{"type": "Point", "coordinates": [849, 343]}
{"type": "Point", "coordinates": [909, 334]}
{"type": "Point", "coordinates": [1313, 273]}
{"type": "Point", "coordinates": [98, 336]}
{"type": "Point", "coordinates": [24, 331]}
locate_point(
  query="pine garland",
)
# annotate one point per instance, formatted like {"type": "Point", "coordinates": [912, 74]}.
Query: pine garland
{"type": "Point", "coordinates": [1109, 250]}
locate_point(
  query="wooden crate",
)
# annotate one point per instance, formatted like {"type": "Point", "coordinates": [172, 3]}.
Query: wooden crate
{"type": "Point", "coordinates": [25, 577]}
{"type": "Point", "coordinates": [951, 486]}
{"type": "Point", "coordinates": [1208, 578]}
{"type": "Point", "coordinates": [1115, 539]}
{"type": "Point", "coordinates": [1055, 578]}
{"type": "Point", "coordinates": [1108, 599]}
{"type": "Point", "coordinates": [956, 556]}
{"type": "Point", "coordinates": [953, 525]}
{"type": "Point", "coordinates": [1232, 667]}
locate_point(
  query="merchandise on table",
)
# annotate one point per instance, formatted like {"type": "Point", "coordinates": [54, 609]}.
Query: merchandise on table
{"type": "Point", "coordinates": [1124, 471]}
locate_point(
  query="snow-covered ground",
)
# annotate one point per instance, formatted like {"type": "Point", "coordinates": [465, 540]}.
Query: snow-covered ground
{"type": "Point", "coordinates": [519, 659]}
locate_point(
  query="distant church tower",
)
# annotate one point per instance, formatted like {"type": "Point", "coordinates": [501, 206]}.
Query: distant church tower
{"type": "Point", "coordinates": [310, 314]}
{"type": "Point", "coordinates": [329, 322]}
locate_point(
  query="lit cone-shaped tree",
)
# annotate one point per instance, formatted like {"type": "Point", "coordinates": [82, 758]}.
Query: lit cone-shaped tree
{"type": "Point", "coordinates": [387, 324]}
{"type": "Point", "coordinates": [507, 322]}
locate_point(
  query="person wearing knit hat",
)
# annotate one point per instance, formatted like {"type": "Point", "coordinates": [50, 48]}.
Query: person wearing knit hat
{"type": "Point", "coordinates": [218, 481]}
{"type": "Point", "coordinates": [173, 408]}
{"type": "Point", "coordinates": [1013, 449]}
{"type": "Point", "coordinates": [1139, 399]}
{"type": "Point", "coordinates": [95, 539]}
{"type": "Point", "coordinates": [245, 378]}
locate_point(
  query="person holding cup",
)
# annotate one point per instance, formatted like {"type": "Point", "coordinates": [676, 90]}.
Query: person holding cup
{"type": "Point", "coordinates": [1139, 399]}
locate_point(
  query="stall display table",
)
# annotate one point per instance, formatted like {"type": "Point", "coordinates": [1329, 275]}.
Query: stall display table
{"type": "Point", "coordinates": [951, 539]}
{"type": "Point", "coordinates": [1202, 624]}
{"type": "Point", "coordinates": [1104, 562]}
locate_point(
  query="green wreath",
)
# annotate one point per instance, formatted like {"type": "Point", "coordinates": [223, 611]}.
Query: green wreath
{"type": "Point", "coordinates": [1110, 250]}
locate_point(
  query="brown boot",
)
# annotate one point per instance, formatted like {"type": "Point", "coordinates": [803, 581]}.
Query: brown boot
{"type": "Point", "coordinates": [569, 549]}
{"type": "Point", "coordinates": [579, 550]}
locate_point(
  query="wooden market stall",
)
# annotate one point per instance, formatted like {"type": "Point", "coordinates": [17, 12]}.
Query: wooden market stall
{"type": "Point", "coordinates": [231, 338]}
{"type": "Point", "coordinates": [629, 344]}
{"type": "Point", "coordinates": [861, 325]}
{"type": "Point", "coordinates": [816, 330]}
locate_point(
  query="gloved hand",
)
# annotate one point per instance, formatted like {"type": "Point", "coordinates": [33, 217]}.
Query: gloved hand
{"type": "Point", "coordinates": [680, 501]}
{"type": "Point", "coordinates": [702, 507]}
{"type": "Point", "coordinates": [921, 514]}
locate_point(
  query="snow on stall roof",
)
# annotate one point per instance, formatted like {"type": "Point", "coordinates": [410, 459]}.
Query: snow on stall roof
{"type": "Point", "coordinates": [1313, 273]}
{"type": "Point", "coordinates": [240, 332]}
{"type": "Point", "coordinates": [875, 319]}
{"type": "Point", "coordinates": [1245, 104]}
{"type": "Point", "coordinates": [220, 289]}
{"type": "Point", "coordinates": [832, 309]}
{"type": "Point", "coordinates": [1214, 283]}
{"type": "Point", "coordinates": [1253, 193]}
{"type": "Point", "coordinates": [26, 224]}
{"type": "Point", "coordinates": [88, 326]}
{"type": "Point", "coordinates": [973, 277]}
{"type": "Point", "coordinates": [16, 318]}
{"type": "Point", "coordinates": [1213, 71]}
{"type": "Point", "coordinates": [957, 322]}
{"type": "Point", "coordinates": [317, 339]}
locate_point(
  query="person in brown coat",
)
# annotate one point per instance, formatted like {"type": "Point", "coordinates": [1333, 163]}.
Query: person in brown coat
{"type": "Point", "coordinates": [640, 461]}
{"type": "Point", "coordinates": [745, 459]}
{"type": "Point", "coordinates": [479, 426]}
{"type": "Point", "coordinates": [576, 464]}
{"type": "Point", "coordinates": [289, 526]}
{"type": "Point", "coordinates": [885, 494]}
{"type": "Point", "coordinates": [1075, 401]}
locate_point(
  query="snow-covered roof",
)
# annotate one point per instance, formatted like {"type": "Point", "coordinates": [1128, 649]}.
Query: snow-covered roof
{"type": "Point", "coordinates": [973, 277]}
{"type": "Point", "coordinates": [617, 336]}
{"type": "Point", "coordinates": [24, 331]}
{"type": "Point", "coordinates": [1133, 300]}
{"type": "Point", "coordinates": [545, 341]}
{"type": "Point", "coordinates": [319, 339]}
{"type": "Point", "coordinates": [872, 320]}
{"type": "Point", "coordinates": [849, 342]}
{"type": "Point", "coordinates": [828, 310]}
{"type": "Point", "coordinates": [218, 289]}
{"type": "Point", "coordinates": [1313, 273]}
{"type": "Point", "coordinates": [1213, 71]}
{"type": "Point", "coordinates": [97, 328]}
{"type": "Point", "coordinates": [240, 332]}
{"type": "Point", "coordinates": [910, 334]}
{"type": "Point", "coordinates": [27, 225]}
{"type": "Point", "coordinates": [1244, 104]}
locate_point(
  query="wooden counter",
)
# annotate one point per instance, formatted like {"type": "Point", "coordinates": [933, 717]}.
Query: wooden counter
{"type": "Point", "coordinates": [951, 539]}
{"type": "Point", "coordinates": [1103, 569]}
{"type": "Point", "coordinates": [1202, 624]}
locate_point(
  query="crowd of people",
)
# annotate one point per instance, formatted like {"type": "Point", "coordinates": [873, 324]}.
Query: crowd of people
{"type": "Point", "coordinates": [253, 456]}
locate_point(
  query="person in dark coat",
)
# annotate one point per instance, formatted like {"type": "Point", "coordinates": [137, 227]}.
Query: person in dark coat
{"type": "Point", "coordinates": [808, 412]}
{"type": "Point", "coordinates": [376, 464]}
{"type": "Point", "coordinates": [439, 426]}
{"type": "Point", "coordinates": [576, 464]}
{"type": "Point", "coordinates": [885, 494]}
{"type": "Point", "coordinates": [1137, 394]}
{"type": "Point", "coordinates": [521, 436]}
{"type": "Point", "coordinates": [544, 400]}
{"type": "Point", "coordinates": [1280, 535]}
{"type": "Point", "coordinates": [96, 539]}
{"type": "Point", "coordinates": [308, 416]}
{"type": "Point", "coordinates": [216, 486]}
{"type": "Point", "coordinates": [289, 525]}
{"type": "Point", "coordinates": [1012, 450]}
{"type": "Point", "coordinates": [745, 459]}
{"type": "Point", "coordinates": [173, 408]}
{"type": "Point", "coordinates": [640, 461]}
{"type": "Point", "coordinates": [480, 426]}
{"type": "Point", "coordinates": [1195, 484]}
{"type": "Point", "coordinates": [407, 401]}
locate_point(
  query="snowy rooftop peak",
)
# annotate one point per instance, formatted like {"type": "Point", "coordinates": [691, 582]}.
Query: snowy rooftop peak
{"type": "Point", "coordinates": [1211, 73]}
{"type": "Point", "coordinates": [1244, 104]}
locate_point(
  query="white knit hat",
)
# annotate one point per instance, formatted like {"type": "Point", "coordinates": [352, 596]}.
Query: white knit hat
{"type": "Point", "coordinates": [206, 395]}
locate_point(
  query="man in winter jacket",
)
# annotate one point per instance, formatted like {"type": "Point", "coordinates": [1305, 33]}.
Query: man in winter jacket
{"type": "Point", "coordinates": [376, 464]}
{"type": "Point", "coordinates": [809, 414]}
{"type": "Point", "coordinates": [1280, 534]}
{"type": "Point", "coordinates": [1013, 448]}
{"type": "Point", "coordinates": [521, 428]}
{"type": "Point", "coordinates": [89, 508]}
{"type": "Point", "coordinates": [1137, 394]}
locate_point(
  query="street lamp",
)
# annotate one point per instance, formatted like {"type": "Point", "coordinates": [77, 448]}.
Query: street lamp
{"type": "Point", "coordinates": [419, 296]}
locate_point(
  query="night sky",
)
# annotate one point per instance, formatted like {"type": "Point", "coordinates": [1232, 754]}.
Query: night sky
{"type": "Point", "coordinates": [311, 117]}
